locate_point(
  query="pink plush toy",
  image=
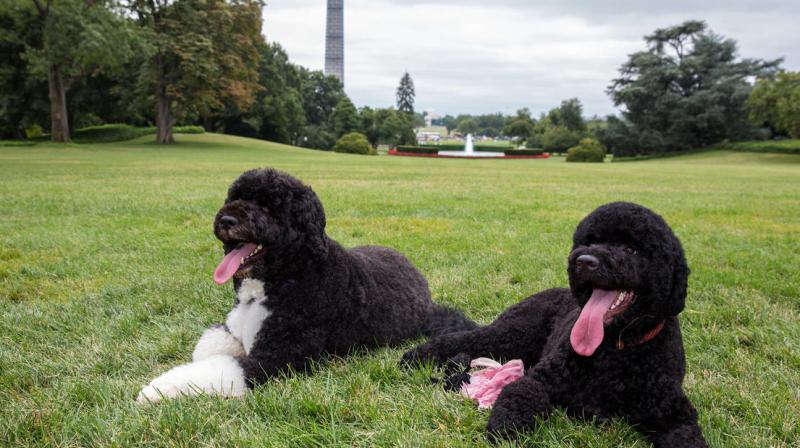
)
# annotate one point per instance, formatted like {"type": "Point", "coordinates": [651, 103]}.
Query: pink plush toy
{"type": "Point", "coordinates": [485, 385]}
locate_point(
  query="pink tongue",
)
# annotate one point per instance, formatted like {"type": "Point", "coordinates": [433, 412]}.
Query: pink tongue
{"type": "Point", "coordinates": [587, 333]}
{"type": "Point", "coordinates": [230, 264]}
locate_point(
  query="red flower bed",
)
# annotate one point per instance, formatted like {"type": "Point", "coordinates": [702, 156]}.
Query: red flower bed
{"type": "Point", "coordinates": [395, 152]}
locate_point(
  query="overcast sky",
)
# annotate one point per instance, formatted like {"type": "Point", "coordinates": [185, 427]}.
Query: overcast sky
{"type": "Point", "coordinates": [498, 56]}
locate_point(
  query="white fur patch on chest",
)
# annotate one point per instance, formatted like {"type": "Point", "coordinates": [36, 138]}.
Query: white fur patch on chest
{"type": "Point", "coordinates": [246, 319]}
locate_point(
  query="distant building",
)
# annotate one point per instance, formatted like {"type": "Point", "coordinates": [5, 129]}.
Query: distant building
{"type": "Point", "coordinates": [430, 115]}
{"type": "Point", "coordinates": [431, 134]}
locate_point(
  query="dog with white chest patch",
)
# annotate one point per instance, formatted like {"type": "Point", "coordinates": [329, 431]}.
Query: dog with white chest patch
{"type": "Point", "coordinates": [300, 296]}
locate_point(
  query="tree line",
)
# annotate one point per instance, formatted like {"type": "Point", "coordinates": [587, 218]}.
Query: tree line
{"type": "Point", "coordinates": [687, 89]}
{"type": "Point", "coordinates": [68, 64]}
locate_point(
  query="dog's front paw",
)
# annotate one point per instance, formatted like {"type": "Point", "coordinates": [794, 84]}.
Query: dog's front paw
{"type": "Point", "coordinates": [516, 409]}
{"type": "Point", "coordinates": [501, 426]}
{"type": "Point", "coordinates": [217, 375]}
{"type": "Point", "coordinates": [421, 354]}
{"type": "Point", "coordinates": [157, 391]}
{"type": "Point", "coordinates": [217, 340]}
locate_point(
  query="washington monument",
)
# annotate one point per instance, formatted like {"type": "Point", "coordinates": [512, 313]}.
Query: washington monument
{"type": "Point", "coordinates": [334, 40]}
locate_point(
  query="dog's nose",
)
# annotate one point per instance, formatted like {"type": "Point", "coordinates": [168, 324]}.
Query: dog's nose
{"type": "Point", "coordinates": [587, 261]}
{"type": "Point", "coordinates": [228, 221]}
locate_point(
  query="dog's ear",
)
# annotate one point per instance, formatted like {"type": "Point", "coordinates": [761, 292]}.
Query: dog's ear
{"type": "Point", "coordinates": [308, 216]}
{"type": "Point", "coordinates": [680, 282]}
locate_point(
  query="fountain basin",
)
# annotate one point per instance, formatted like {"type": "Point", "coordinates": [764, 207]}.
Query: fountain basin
{"type": "Point", "coordinates": [461, 155]}
{"type": "Point", "coordinates": [471, 154]}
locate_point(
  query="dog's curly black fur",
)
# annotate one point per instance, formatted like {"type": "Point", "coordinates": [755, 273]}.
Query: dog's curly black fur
{"type": "Point", "coordinates": [323, 299]}
{"type": "Point", "coordinates": [636, 372]}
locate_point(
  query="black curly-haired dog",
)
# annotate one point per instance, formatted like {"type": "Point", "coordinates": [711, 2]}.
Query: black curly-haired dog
{"type": "Point", "coordinates": [299, 294]}
{"type": "Point", "coordinates": [609, 346]}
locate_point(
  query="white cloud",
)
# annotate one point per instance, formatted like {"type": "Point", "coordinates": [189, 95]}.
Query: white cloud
{"type": "Point", "coordinates": [480, 57]}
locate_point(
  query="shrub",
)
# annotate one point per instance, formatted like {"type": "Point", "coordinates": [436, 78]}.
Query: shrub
{"type": "Point", "coordinates": [354, 143]}
{"type": "Point", "coordinates": [588, 150]}
{"type": "Point", "coordinates": [87, 119]}
{"type": "Point", "coordinates": [110, 133]}
{"type": "Point", "coordinates": [33, 131]}
{"type": "Point", "coordinates": [188, 130]}
{"type": "Point", "coordinates": [534, 141]}
{"type": "Point", "coordinates": [119, 132]}
{"type": "Point", "coordinates": [559, 138]}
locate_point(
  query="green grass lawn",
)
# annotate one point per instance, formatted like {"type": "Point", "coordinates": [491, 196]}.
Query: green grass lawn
{"type": "Point", "coordinates": [106, 256]}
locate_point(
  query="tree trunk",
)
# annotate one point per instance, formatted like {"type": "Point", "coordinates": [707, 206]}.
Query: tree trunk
{"type": "Point", "coordinates": [209, 124]}
{"type": "Point", "coordinates": [164, 122]}
{"type": "Point", "coordinates": [59, 121]}
{"type": "Point", "coordinates": [164, 119]}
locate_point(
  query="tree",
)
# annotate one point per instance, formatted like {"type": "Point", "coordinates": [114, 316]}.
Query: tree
{"type": "Point", "coordinates": [320, 94]}
{"type": "Point", "coordinates": [448, 121]}
{"type": "Point", "coordinates": [388, 126]}
{"type": "Point", "coordinates": [317, 137]}
{"type": "Point", "coordinates": [569, 115]}
{"type": "Point", "coordinates": [369, 125]}
{"type": "Point", "coordinates": [468, 126]}
{"type": "Point", "coordinates": [776, 103]}
{"type": "Point", "coordinates": [344, 118]}
{"type": "Point", "coordinates": [278, 112]}
{"type": "Point", "coordinates": [405, 94]}
{"type": "Point", "coordinates": [79, 38]}
{"type": "Point", "coordinates": [519, 128]}
{"type": "Point", "coordinates": [688, 88]}
{"type": "Point", "coordinates": [205, 57]}
{"type": "Point", "coordinates": [20, 28]}
{"type": "Point", "coordinates": [559, 139]}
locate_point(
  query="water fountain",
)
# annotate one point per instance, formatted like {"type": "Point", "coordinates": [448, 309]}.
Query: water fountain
{"type": "Point", "coordinates": [469, 151]}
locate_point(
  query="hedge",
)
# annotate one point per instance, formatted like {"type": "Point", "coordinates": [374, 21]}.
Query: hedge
{"type": "Point", "coordinates": [786, 146]}
{"type": "Point", "coordinates": [524, 152]}
{"type": "Point", "coordinates": [419, 149]}
{"type": "Point", "coordinates": [108, 133]}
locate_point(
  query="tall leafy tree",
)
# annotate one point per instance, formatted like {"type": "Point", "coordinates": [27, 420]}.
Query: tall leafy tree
{"type": "Point", "coordinates": [776, 103]}
{"type": "Point", "coordinates": [688, 88]}
{"type": "Point", "coordinates": [79, 38]}
{"type": "Point", "coordinates": [320, 94]}
{"type": "Point", "coordinates": [569, 115]}
{"type": "Point", "coordinates": [520, 126]}
{"type": "Point", "coordinates": [344, 118]}
{"type": "Point", "coordinates": [387, 126]}
{"type": "Point", "coordinates": [279, 113]}
{"type": "Point", "coordinates": [204, 58]}
{"type": "Point", "coordinates": [405, 94]}
{"type": "Point", "coordinates": [519, 129]}
{"type": "Point", "coordinates": [468, 125]}
{"type": "Point", "coordinates": [20, 28]}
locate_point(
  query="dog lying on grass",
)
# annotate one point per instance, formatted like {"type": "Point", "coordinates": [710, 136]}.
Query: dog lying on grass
{"type": "Point", "coordinates": [609, 346]}
{"type": "Point", "coordinates": [299, 295]}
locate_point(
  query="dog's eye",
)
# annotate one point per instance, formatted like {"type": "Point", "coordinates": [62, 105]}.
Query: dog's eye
{"type": "Point", "coordinates": [630, 250]}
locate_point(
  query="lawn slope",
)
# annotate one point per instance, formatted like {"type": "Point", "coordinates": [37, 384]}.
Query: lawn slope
{"type": "Point", "coordinates": [106, 255]}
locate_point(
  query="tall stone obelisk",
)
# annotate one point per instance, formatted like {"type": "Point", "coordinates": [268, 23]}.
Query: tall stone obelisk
{"type": "Point", "coordinates": [334, 40]}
